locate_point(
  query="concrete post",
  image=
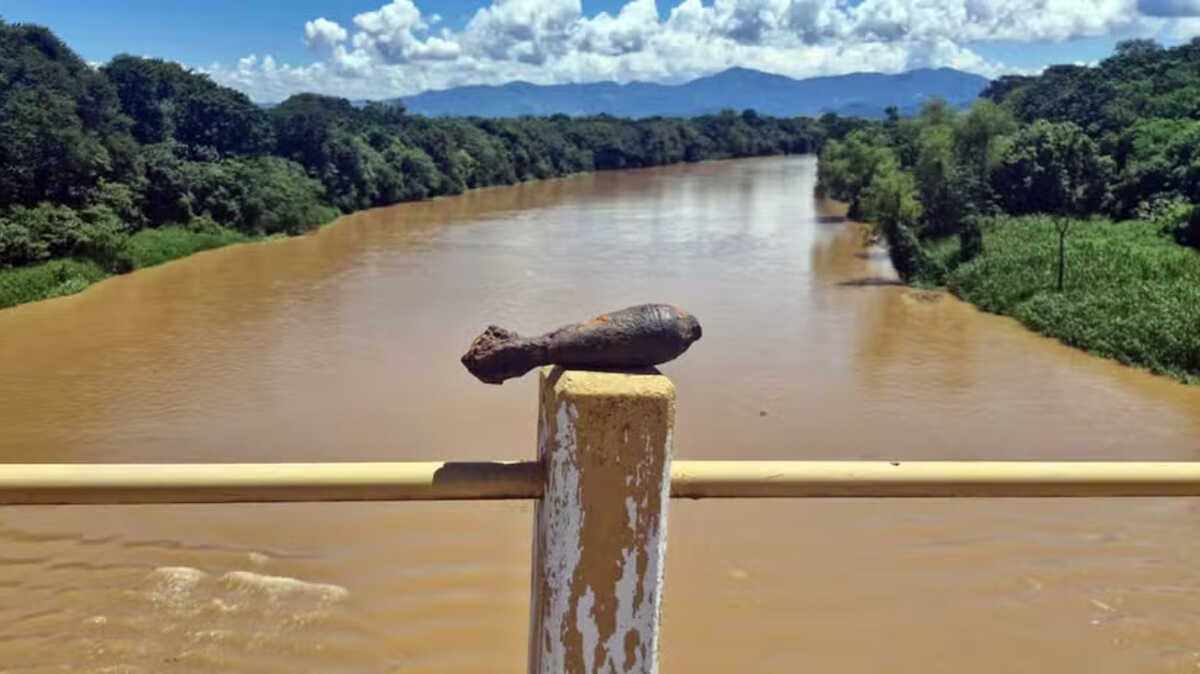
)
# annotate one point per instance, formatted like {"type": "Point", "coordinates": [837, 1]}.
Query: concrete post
{"type": "Point", "coordinates": [600, 530]}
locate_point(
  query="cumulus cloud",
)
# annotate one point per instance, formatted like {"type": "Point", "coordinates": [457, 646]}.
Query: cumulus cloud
{"type": "Point", "coordinates": [526, 31]}
{"type": "Point", "coordinates": [979, 20]}
{"type": "Point", "coordinates": [322, 32]}
{"type": "Point", "coordinates": [627, 32]}
{"type": "Point", "coordinates": [398, 49]}
{"type": "Point", "coordinates": [391, 35]}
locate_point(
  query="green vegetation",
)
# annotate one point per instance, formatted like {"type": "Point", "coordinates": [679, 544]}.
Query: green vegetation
{"type": "Point", "coordinates": [1072, 151]}
{"type": "Point", "coordinates": [156, 246]}
{"type": "Point", "coordinates": [50, 279]}
{"type": "Point", "coordinates": [142, 161]}
{"type": "Point", "coordinates": [1131, 293]}
{"type": "Point", "coordinates": [145, 249]}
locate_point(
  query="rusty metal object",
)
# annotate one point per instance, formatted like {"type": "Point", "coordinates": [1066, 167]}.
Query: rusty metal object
{"type": "Point", "coordinates": [633, 338]}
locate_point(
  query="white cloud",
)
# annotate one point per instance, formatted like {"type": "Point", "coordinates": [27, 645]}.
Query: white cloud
{"type": "Point", "coordinates": [323, 33]}
{"type": "Point", "coordinates": [627, 32]}
{"type": "Point", "coordinates": [389, 35]}
{"type": "Point", "coordinates": [527, 31]}
{"type": "Point", "coordinates": [1184, 29]}
{"type": "Point", "coordinates": [972, 20]}
{"type": "Point", "coordinates": [395, 50]}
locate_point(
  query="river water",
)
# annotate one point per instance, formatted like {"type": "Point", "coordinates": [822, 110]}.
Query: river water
{"type": "Point", "coordinates": [344, 345]}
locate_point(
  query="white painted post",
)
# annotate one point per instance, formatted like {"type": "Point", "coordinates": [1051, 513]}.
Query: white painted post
{"type": "Point", "coordinates": [600, 530]}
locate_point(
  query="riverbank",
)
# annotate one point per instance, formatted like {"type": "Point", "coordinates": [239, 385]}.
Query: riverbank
{"type": "Point", "coordinates": [147, 248]}
{"type": "Point", "coordinates": [151, 247]}
{"type": "Point", "coordinates": [1130, 293]}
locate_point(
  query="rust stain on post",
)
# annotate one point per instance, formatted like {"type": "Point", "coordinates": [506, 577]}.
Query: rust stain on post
{"type": "Point", "coordinates": [600, 529]}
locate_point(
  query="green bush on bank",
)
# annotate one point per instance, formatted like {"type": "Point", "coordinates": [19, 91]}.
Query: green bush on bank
{"type": "Point", "coordinates": [50, 279]}
{"type": "Point", "coordinates": [1130, 294]}
{"type": "Point", "coordinates": [150, 247]}
{"type": "Point", "coordinates": [147, 248]}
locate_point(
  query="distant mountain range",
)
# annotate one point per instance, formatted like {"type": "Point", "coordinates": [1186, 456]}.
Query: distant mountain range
{"type": "Point", "coordinates": [858, 95]}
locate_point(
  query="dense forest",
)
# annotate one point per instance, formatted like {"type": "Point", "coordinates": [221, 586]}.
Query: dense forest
{"type": "Point", "coordinates": [1067, 200]}
{"type": "Point", "coordinates": [140, 161]}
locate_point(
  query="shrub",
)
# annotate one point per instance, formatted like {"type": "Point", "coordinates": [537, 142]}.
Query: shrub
{"type": "Point", "coordinates": [1188, 233]}
{"type": "Point", "coordinates": [43, 281]}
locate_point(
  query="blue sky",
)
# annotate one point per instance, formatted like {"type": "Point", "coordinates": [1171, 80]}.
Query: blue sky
{"type": "Point", "coordinates": [224, 30]}
{"type": "Point", "coordinates": [383, 48]}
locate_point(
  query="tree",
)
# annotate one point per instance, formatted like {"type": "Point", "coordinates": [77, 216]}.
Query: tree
{"type": "Point", "coordinates": [1159, 161]}
{"type": "Point", "coordinates": [1054, 168]}
{"type": "Point", "coordinates": [846, 168]}
{"type": "Point", "coordinates": [1062, 225]}
{"type": "Point", "coordinates": [1137, 48]}
{"type": "Point", "coordinates": [280, 197]}
{"type": "Point", "coordinates": [1000, 88]}
{"type": "Point", "coordinates": [1189, 233]}
{"type": "Point", "coordinates": [222, 119]}
{"type": "Point", "coordinates": [1066, 93]}
{"type": "Point", "coordinates": [167, 194]}
{"type": "Point", "coordinates": [970, 239]}
{"type": "Point", "coordinates": [303, 124]}
{"type": "Point", "coordinates": [937, 111]}
{"type": "Point", "coordinates": [145, 88]}
{"type": "Point", "coordinates": [169, 103]}
{"type": "Point", "coordinates": [976, 138]}
{"type": "Point", "coordinates": [838, 128]}
{"type": "Point", "coordinates": [891, 203]}
{"type": "Point", "coordinates": [61, 130]}
{"type": "Point", "coordinates": [1051, 167]}
{"type": "Point", "coordinates": [936, 173]}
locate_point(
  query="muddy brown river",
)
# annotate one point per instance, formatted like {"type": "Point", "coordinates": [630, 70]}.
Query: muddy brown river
{"type": "Point", "coordinates": [344, 345]}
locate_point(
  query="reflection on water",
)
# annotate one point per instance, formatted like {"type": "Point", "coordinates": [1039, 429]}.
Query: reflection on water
{"type": "Point", "coordinates": [344, 345]}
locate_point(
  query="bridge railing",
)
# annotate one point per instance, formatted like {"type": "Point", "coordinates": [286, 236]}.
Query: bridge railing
{"type": "Point", "coordinates": [147, 483]}
{"type": "Point", "coordinates": [601, 482]}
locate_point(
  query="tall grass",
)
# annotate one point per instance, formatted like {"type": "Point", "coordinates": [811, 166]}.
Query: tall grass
{"type": "Point", "coordinates": [50, 279]}
{"type": "Point", "coordinates": [1131, 293]}
{"type": "Point", "coordinates": [150, 247]}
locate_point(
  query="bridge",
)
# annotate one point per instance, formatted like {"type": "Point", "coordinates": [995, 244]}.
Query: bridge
{"type": "Point", "coordinates": [602, 482]}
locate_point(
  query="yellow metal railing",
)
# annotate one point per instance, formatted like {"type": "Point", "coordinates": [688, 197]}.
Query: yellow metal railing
{"type": "Point", "coordinates": [64, 484]}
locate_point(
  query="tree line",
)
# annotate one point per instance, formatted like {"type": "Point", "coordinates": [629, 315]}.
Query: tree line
{"type": "Point", "coordinates": [1118, 140]}
{"type": "Point", "coordinates": [1061, 200]}
{"type": "Point", "coordinates": [93, 158]}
